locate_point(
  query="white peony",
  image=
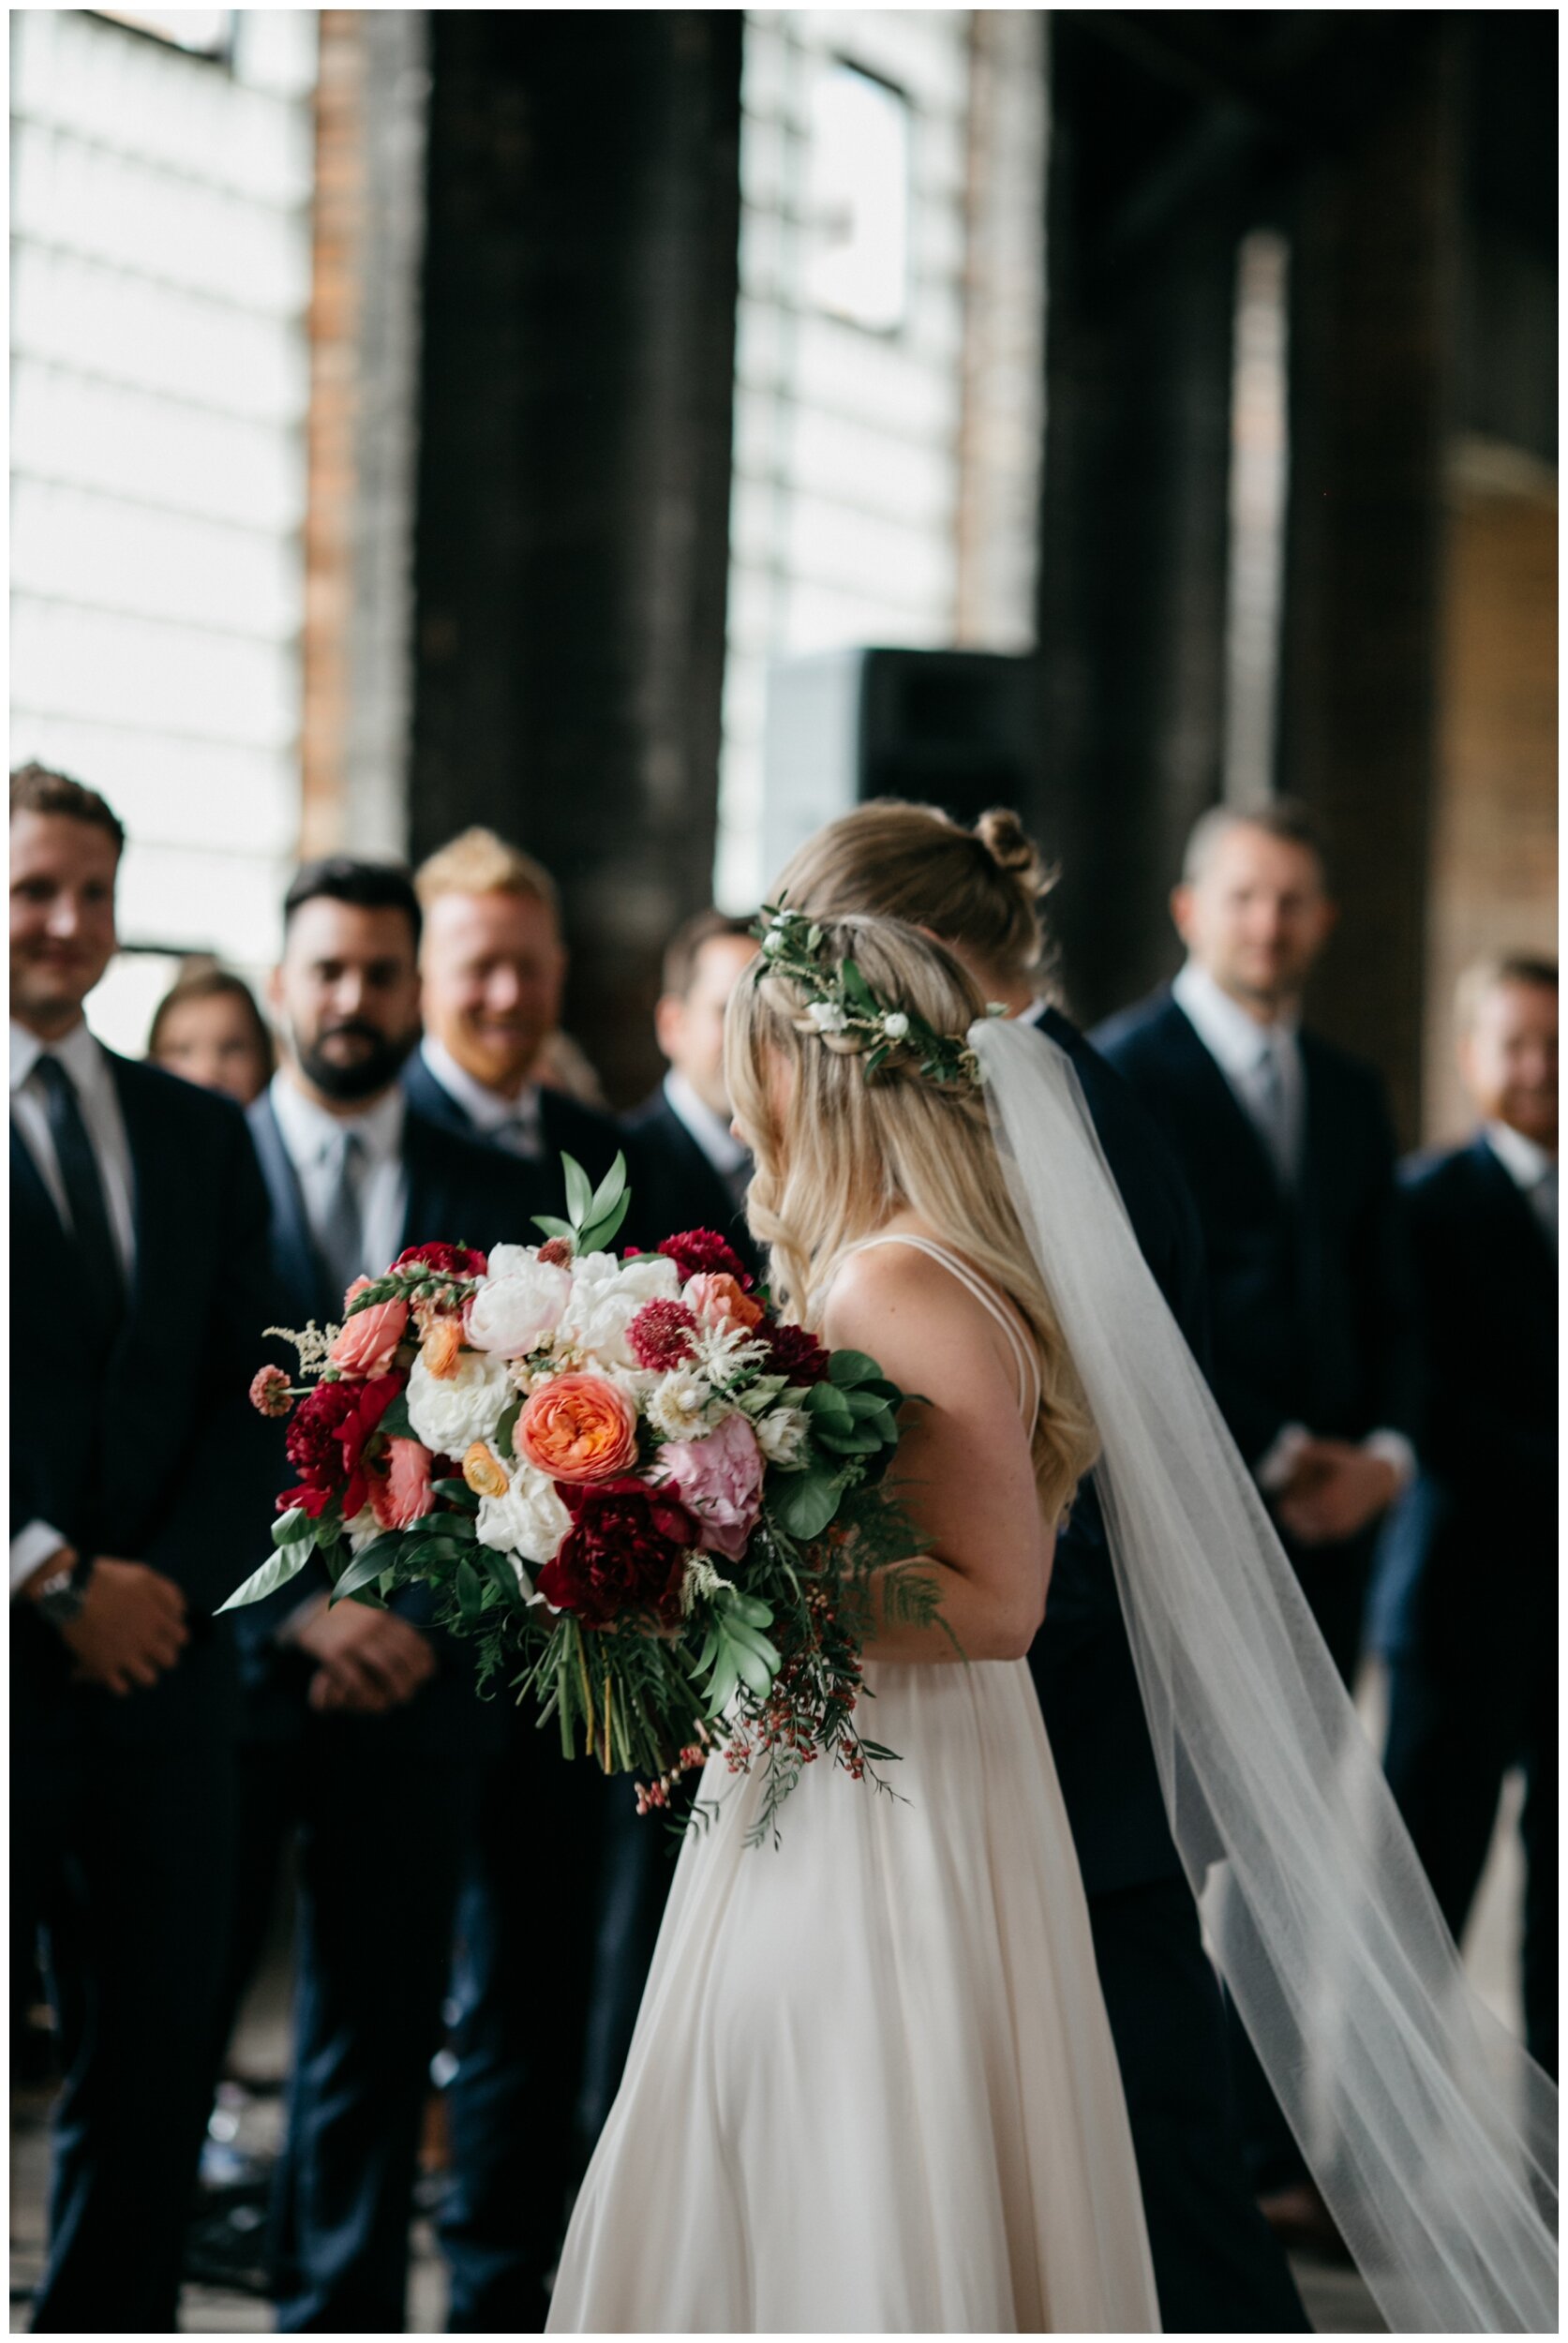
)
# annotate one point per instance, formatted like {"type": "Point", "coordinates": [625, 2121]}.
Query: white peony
{"type": "Point", "coordinates": [513, 1313]}
{"type": "Point", "coordinates": [528, 1523]}
{"type": "Point", "coordinates": [449, 1414]}
{"type": "Point", "coordinates": [782, 1434]}
{"type": "Point", "coordinates": [606, 1295]}
{"type": "Point", "coordinates": [678, 1403]}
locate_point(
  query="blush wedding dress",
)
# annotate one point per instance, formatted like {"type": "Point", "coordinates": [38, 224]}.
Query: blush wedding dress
{"type": "Point", "coordinates": [872, 2087]}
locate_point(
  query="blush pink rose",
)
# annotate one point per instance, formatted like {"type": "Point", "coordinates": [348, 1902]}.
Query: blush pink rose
{"type": "Point", "coordinates": [370, 1337]}
{"type": "Point", "coordinates": [403, 1493]}
{"type": "Point", "coordinates": [721, 1302]}
{"type": "Point", "coordinates": [719, 1481]}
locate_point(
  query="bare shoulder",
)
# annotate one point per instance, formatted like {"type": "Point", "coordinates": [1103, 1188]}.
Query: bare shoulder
{"type": "Point", "coordinates": [910, 1311]}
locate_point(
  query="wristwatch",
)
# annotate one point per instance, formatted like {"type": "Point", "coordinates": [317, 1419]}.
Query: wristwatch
{"type": "Point", "coordinates": [62, 1593]}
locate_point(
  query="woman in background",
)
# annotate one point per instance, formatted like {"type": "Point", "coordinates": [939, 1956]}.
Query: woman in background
{"type": "Point", "coordinates": [208, 1028]}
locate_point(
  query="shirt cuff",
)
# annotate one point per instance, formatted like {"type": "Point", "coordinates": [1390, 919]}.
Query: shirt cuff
{"type": "Point", "coordinates": [1393, 1449]}
{"type": "Point", "coordinates": [1274, 1467]}
{"type": "Point", "coordinates": [31, 1546]}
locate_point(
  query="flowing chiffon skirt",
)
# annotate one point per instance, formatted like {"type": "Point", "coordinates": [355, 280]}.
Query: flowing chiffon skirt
{"type": "Point", "coordinates": [873, 2086]}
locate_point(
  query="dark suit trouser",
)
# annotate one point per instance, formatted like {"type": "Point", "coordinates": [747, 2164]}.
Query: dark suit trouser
{"type": "Point", "coordinates": [524, 1982]}
{"type": "Point", "coordinates": [382, 1816]}
{"type": "Point", "coordinates": [1452, 1734]}
{"type": "Point", "coordinates": [1217, 2268]}
{"type": "Point", "coordinates": [1335, 1581]}
{"type": "Point", "coordinates": [126, 1853]}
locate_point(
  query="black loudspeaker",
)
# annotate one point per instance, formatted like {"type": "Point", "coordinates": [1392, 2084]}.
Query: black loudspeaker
{"type": "Point", "coordinates": [952, 728]}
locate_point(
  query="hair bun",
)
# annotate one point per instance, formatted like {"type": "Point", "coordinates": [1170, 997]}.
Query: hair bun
{"type": "Point", "coordinates": [1004, 838]}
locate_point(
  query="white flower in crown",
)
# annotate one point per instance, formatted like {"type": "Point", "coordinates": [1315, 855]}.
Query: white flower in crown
{"type": "Point", "coordinates": [773, 942]}
{"type": "Point", "coordinates": [449, 1412]}
{"type": "Point", "coordinates": [895, 1024]}
{"type": "Point", "coordinates": [677, 1406]}
{"type": "Point", "coordinates": [781, 1434]}
{"type": "Point", "coordinates": [528, 1523]}
{"type": "Point", "coordinates": [827, 1016]}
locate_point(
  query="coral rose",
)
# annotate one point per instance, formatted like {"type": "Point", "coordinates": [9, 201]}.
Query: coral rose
{"type": "Point", "coordinates": [368, 1341]}
{"type": "Point", "coordinates": [721, 1304]}
{"type": "Point", "coordinates": [577, 1428]}
{"type": "Point", "coordinates": [403, 1493]}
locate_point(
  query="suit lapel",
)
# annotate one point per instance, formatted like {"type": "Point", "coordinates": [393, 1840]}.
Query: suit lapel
{"type": "Point", "coordinates": [1512, 1209]}
{"type": "Point", "coordinates": [1204, 1069]}
{"type": "Point", "coordinates": [293, 1248]}
{"type": "Point", "coordinates": [27, 1182]}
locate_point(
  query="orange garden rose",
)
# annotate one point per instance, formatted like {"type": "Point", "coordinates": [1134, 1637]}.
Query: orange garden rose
{"type": "Point", "coordinates": [484, 1471]}
{"type": "Point", "coordinates": [578, 1428]}
{"type": "Point", "coordinates": [722, 1304]}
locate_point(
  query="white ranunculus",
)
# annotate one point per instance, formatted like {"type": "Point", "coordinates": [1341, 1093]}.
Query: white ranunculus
{"type": "Point", "coordinates": [512, 1314]}
{"type": "Point", "coordinates": [528, 1523]}
{"type": "Point", "coordinates": [602, 1304]}
{"type": "Point", "coordinates": [678, 1403]}
{"type": "Point", "coordinates": [449, 1414]}
{"type": "Point", "coordinates": [781, 1434]}
{"type": "Point", "coordinates": [827, 1016]}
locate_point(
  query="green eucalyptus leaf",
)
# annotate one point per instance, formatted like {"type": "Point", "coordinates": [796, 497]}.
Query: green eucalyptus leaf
{"type": "Point", "coordinates": [367, 1566]}
{"type": "Point", "coordinates": [579, 1191]}
{"type": "Point", "coordinates": [610, 1190]}
{"type": "Point", "coordinates": [274, 1572]}
{"type": "Point", "coordinates": [291, 1527]}
{"type": "Point", "coordinates": [807, 1503]}
{"type": "Point", "coordinates": [471, 1591]}
{"type": "Point", "coordinates": [852, 1366]}
{"type": "Point", "coordinates": [596, 1239]}
{"type": "Point", "coordinates": [555, 1228]}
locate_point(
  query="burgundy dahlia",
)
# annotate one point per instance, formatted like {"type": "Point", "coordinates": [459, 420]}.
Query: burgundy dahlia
{"type": "Point", "coordinates": [625, 1551]}
{"type": "Point", "coordinates": [662, 1335]}
{"type": "Point", "coordinates": [447, 1260]}
{"type": "Point", "coordinates": [794, 1352]}
{"type": "Point", "coordinates": [700, 1253]}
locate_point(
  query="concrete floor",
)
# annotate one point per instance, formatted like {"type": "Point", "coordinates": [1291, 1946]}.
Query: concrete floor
{"type": "Point", "coordinates": [1337, 2300]}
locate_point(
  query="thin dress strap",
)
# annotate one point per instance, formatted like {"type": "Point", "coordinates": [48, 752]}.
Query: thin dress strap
{"type": "Point", "coordinates": [1028, 1367]}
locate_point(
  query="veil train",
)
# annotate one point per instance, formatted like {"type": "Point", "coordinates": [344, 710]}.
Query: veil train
{"type": "Point", "coordinates": [1430, 2131]}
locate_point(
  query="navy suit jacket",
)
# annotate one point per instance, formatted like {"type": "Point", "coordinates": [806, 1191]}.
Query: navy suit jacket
{"type": "Point", "coordinates": [1081, 1664]}
{"type": "Point", "coordinates": [681, 1188]}
{"type": "Point", "coordinates": [152, 1454]}
{"type": "Point", "coordinates": [1467, 1566]}
{"type": "Point", "coordinates": [567, 1126]}
{"type": "Point", "coordinates": [1310, 1303]}
{"type": "Point", "coordinates": [458, 1193]}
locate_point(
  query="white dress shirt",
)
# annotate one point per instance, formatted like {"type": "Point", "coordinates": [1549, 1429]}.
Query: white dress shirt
{"type": "Point", "coordinates": [84, 1060]}
{"type": "Point", "coordinates": [730, 1160]}
{"type": "Point", "coordinates": [314, 1140]}
{"type": "Point", "coordinates": [1532, 1170]}
{"type": "Point", "coordinates": [514, 1123]}
{"type": "Point", "coordinates": [1241, 1047]}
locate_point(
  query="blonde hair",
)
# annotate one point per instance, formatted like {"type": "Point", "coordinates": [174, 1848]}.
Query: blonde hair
{"type": "Point", "coordinates": [979, 889]}
{"type": "Point", "coordinates": [477, 862]}
{"type": "Point", "coordinates": [851, 1152]}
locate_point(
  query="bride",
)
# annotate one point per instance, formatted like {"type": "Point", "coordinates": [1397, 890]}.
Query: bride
{"type": "Point", "coordinates": [873, 2086]}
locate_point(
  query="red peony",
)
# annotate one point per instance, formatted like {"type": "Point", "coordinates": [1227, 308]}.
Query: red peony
{"type": "Point", "coordinates": [700, 1253]}
{"type": "Point", "coordinates": [794, 1352]}
{"type": "Point", "coordinates": [662, 1335]}
{"type": "Point", "coordinates": [625, 1551]}
{"type": "Point", "coordinates": [447, 1260]}
{"type": "Point", "coordinates": [327, 1438]}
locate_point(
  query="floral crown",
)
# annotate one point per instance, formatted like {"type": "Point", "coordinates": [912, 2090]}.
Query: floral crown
{"type": "Point", "coordinates": [840, 1003]}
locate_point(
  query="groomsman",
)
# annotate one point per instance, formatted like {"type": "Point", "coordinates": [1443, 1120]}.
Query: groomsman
{"type": "Point", "coordinates": [1286, 1146]}
{"type": "Point", "coordinates": [1465, 1604]}
{"type": "Point", "coordinates": [365, 1734]}
{"type": "Point", "coordinates": [695, 1171]}
{"type": "Point", "coordinates": [494, 967]}
{"type": "Point", "coordinates": [1217, 2267]}
{"type": "Point", "coordinates": [139, 1291]}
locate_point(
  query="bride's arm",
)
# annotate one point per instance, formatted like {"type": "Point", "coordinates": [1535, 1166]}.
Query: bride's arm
{"type": "Point", "coordinates": [963, 1470]}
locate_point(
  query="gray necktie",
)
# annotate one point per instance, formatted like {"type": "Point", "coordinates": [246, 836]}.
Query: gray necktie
{"type": "Point", "coordinates": [341, 1235]}
{"type": "Point", "coordinates": [1271, 1111]}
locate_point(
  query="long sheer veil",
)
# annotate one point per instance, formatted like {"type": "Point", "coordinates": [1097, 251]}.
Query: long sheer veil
{"type": "Point", "coordinates": [1429, 2131]}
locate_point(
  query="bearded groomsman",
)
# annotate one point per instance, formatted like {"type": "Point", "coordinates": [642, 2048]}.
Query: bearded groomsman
{"type": "Point", "coordinates": [1466, 1605]}
{"type": "Point", "coordinates": [139, 1289]}
{"type": "Point", "coordinates": [494, 967]}
{"type": "Point", "coordinates": [695, 1171]}
{"type": "Point", "coordinates": [1287, 1149]}
{"type": "Point", "coordinates": [366, 1737]}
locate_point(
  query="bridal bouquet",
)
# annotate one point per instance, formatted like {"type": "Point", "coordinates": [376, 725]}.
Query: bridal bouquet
{"type": "Point", "coordinates": [656, 1507]}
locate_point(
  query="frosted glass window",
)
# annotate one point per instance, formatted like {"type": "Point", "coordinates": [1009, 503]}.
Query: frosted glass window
{"type": "Point", "coordinates": [857, 200]}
